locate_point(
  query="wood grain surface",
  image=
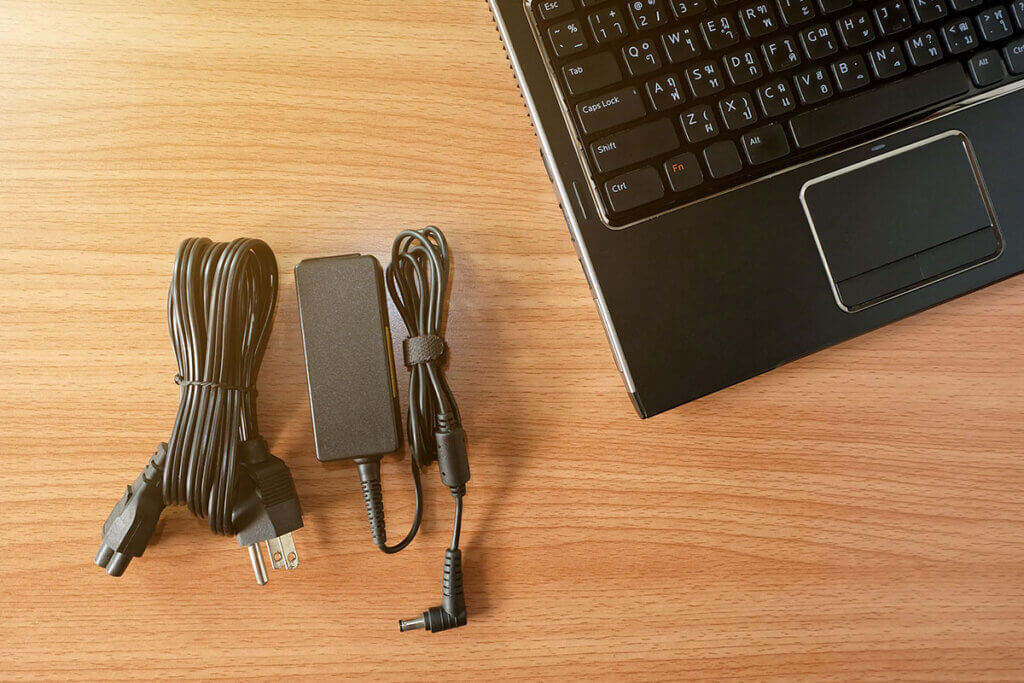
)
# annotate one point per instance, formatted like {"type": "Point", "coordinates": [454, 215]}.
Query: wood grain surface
{"type": "Point", "coordinates": [853, 516]}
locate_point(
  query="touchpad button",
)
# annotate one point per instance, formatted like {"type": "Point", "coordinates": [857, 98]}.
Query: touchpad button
{"type": "Point", "coordinates": [905, 218]}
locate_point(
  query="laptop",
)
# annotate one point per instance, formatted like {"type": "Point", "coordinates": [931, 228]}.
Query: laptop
{"type": "Point", "coordinates": [749, 181]}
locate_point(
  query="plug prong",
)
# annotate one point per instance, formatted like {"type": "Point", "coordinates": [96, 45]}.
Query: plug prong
{"type": "Point", "coordinates": [289, 555]}
{"type": "Point", "coordinates": [260, 569]}
{"type": "Point", "coordinates": [276, 553]}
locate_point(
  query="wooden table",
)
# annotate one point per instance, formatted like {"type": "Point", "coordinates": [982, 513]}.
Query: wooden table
{"type": "Point", "coordinates": [856, 515]}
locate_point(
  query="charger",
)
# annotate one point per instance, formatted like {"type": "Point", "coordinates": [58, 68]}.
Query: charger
{"type": "Point", "coordinates": [350, 369]}
{"type": "Point", "coordinates": [353, 392]}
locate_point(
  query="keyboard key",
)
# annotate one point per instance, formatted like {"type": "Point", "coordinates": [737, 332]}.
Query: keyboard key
{"type": "Point", "coordinates": [723, 159]}
{"type": "Point", "coordinates": [819, 41]}
{"type": "Point", "coordinates": [665, 92]}
{"type": "Point", "coordinates": [684, 172]}
{"type": "Point", "coordinates": [642, 57]}
{"type": "Point", "coordinates": [591, 73]}
{"type": "Point", "coordinates": [781, 53]}
{"type": "Point", "coordinates": [850, 73]}
{"type": "Point", "coordinates": [743, 66]}
{"type": "Point", "coordinates": [994, 24]}
{"type": "Point", "coordinates": [610, 110]}
{"type": "Point", "coordinates": [633, 145]}
{"type": "Point", "coordinates": [929, 10]}
{"type": "Point", "coordinates": [765, 144]}
{"type": "Point", "coordinates": [986, 68]}
{"type": "Point", "coordinates": [776, 98]}
{"type": "Point", "coordinates": [634, 189]}
{"type": "Point", "coordinates": [687, 9]}
{"type": "Point", "coordinates": [864, 110]}
{"type": "Point", "coordinates": [887, 60]}
{"type": "Point", "coordinates": [552, 9]}
{"type": "Point", "coordinates": [607, 24]}
{"type": "Point", "coordinates": [737, 111]}
{"type": "Point", "coordinates": [796, 11]}
{"type": "Point", "coordinates": [719, 32]}
{"type": "Point", "coordinates": [1018, 13]}
{"type": "Point", "coordinates": [648, 13]}
{"type": "Point", "coordinates": [856, 29]}
{"type": "Point", "coordinates": [893, 17]}
{"type": "Point", "coordinates": [961, 5]}
{"type": "Point", "coordinates": [699, 124]}
{"type": "Point", "coordinates": [833, 6]}
{"type": "Point", "coordinates": [681, 45]}
{"type": "Point", "coordinates": [923, 48]}
{"type": "Point", "coordinates": [567, 38]}
{"type": "Point", "coordinates": [813, 86]}
{"type": "Point", "coordinates": [1014, 55]}
{"type": "Point", "coordinates": [960, 36]}
{"type": "Point", "coordinates": [705, 79]}
{"type": "Point", "coordinates": [759, 20]}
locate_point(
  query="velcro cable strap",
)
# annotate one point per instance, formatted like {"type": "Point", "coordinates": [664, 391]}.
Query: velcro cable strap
{"type": "Point", "coordinates": [423, 349]}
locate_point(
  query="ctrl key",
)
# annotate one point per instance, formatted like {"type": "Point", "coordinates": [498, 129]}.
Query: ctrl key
{"type": "Point", "coordinates": [1014, 54]}
{"type": "Point", "coordinates": [633, 189]}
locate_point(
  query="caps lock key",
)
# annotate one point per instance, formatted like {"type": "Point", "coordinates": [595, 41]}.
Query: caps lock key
{"type": "Point", "coordinates": [610, 110]}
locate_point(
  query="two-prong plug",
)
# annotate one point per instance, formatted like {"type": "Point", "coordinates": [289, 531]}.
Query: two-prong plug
{"type": "Point", "coordinates": [131, 523]}
{"type": "Point", "coordinates": [267, 509]}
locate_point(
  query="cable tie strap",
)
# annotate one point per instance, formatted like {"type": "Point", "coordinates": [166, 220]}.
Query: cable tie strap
{"type": "Point", "coordinates": [182, 382]}
{"type": "Point", "coordinates": [423, 349]}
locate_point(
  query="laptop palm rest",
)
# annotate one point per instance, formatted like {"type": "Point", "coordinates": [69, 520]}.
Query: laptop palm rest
{"type": "Point", "coordinates": [901, 220]}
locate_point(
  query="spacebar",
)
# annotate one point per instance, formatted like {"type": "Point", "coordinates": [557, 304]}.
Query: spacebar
{"type": "Point", "coordinates": [891, 101]}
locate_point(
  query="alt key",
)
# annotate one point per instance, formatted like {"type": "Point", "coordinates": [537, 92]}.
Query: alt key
{"type": "Point", "coordinates": [765, 144]}
{"type": "Point", "coordinates": [986, 68]}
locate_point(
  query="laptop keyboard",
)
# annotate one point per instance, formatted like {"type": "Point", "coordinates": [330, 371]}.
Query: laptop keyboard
{"type": "Point", "coordinates": [675, 100]}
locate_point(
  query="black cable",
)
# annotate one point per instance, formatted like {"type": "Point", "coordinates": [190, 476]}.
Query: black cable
{"type": "Point", "coordinates": [417, 279]}
{"type": "Point", "coordinates": [220, 311]}
{"type": "Point", "coordinates": [457, 524]}
{"type": "Point", "coordinates": [417, 517]}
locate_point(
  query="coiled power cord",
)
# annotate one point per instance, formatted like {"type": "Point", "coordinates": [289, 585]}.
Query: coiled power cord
{"type": "Point", "coordinates": [220, 312]}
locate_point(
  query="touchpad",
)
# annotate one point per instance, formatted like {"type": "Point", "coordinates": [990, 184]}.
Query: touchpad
{"type": "Point", "coordinates": [906, 218]}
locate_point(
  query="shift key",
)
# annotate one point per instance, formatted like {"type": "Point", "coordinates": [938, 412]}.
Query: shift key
{"type": "Point", "coordinates": [634, 145]}
{"type": "Point", "coordinates": [610, 110]}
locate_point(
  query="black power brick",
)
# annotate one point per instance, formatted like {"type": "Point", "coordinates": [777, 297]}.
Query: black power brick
{"type": "Point", "coordinates": [349, 365]}
{"type": "Point", "coordinates": [353, 393]}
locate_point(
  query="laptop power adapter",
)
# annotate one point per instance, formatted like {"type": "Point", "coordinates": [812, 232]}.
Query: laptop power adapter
{"type": "Point", "coordinates": [353, 392]}
{"type": "Point", "coordinates": [350, 365]}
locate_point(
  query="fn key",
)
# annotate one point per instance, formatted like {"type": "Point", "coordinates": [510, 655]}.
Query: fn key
{"type": "Point", "coordinates": [633, 189]}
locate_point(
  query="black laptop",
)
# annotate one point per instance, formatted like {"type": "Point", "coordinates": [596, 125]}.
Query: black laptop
{"type": "Point", "coordinates": [749, 181]}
